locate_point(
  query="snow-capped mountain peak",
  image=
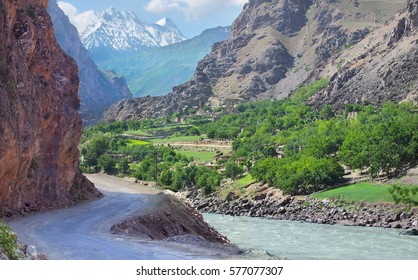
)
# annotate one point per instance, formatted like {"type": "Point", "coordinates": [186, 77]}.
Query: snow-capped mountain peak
{"type": "Point", "coordinates": [123, 31]}
{"type": "Point", "coordinates": [162, 22]}
{"type": "Point", "coordinates": [165, 22]}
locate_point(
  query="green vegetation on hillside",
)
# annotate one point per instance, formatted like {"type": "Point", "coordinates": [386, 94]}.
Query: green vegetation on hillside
{"type": "Point", "coordinates": [104, 147]}
{"type": "Point", "coordinates": [301, 150]}
{"type": "Point", "coordinates": [245, 181]}
{"type": "Point", "coordinates": [286, 143]}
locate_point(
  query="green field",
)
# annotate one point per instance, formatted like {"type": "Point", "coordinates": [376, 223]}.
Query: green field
{"type": "Point", "coordinates": [132, 142]}
{"type": "Point", "coordinates": [360, 192]}
{"type": "Point", "coordinates": [198, 156]}
{"type": "Point", "coordinates": [245, 181]}
{"type": "Point", "coordinates": [137, 132]}
{"type": "Point", "coordinates": [176, 139]}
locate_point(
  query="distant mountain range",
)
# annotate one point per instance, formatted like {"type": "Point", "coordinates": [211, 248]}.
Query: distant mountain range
{"type": "Point", "coordinates": [122, 31]}
{"type": "Point", "coordinates": [153, 58]}
{"type": "Point", "coordinates": [155, 71]}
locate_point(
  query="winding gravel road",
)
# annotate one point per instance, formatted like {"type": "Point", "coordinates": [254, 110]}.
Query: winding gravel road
{"type": "Point", "coordinates": [82, 232]}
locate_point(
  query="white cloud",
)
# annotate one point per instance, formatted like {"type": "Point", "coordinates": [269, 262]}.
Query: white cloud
{"type": "Point", "coordinates": [80, 20]}
{"type": "Point", "coordinates": [193, 9]}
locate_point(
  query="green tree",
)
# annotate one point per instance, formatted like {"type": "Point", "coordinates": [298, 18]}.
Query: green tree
{"type": "Point", "coordinates": [166, 178]}
{"type": "Point", "coordinates": [107, 163]}
{"type": "Point", "coordinates": [124, 165]}
{"type": "Point", "coordinates": [232, 170]}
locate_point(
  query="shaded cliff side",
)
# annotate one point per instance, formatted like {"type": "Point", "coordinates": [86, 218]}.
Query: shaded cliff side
{"type": "Point", "coordinates": [98, 90]}
{"type": "Point", "coordinates": [40, 128]}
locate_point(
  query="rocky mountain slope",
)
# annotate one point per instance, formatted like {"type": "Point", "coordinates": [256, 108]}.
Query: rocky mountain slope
{"type": "Point", "coordinates": [381, 67]}
{"type": "Point", "coordinates": [98, 90]}
{"type": "Point", "coordinates": [155, 71]}
{"type": "Point", "coordinates": [40, 128]}
{"type": "Point", "coordinates": [275, 47]}
{"type": "Point", "coordinates": [114, 31]}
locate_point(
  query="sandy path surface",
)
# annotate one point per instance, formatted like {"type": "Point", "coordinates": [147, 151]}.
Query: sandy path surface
{"type": "Point", "coordinates": [82, 232]}
{"type": "Point", "coordinates": [114, 184]}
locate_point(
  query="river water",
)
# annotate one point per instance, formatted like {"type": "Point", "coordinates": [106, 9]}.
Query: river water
{"type": "Point", "coordinates": [306, 241]}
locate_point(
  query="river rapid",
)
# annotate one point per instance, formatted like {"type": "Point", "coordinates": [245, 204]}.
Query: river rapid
{"type": "Point", "coordinates": [307, 241]}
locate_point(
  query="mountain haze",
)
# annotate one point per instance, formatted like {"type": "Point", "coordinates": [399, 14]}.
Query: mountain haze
{"type": "Point", "coordinates": [97, 89]}
{"type": "Point", "coordinates": [155, 71]}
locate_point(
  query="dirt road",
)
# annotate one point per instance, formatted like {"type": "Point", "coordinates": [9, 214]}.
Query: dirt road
{"type": "Point", "coordinates": [82, 232]}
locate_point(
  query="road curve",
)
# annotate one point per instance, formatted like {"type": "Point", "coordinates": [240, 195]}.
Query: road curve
{"type": "Point", "coordinates": [82, 232]}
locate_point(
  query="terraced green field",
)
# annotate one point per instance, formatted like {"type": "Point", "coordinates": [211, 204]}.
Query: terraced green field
{"type": "Point", "coordinates": [199, 156]}
{"type": "Point", "coordinates": [360, 192]}
{"type": "Point", "coordinates": [176, 139]}
{"type": "Point", "coordinates": [132, 142]}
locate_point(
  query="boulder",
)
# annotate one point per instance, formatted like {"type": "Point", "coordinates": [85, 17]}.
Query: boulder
{"type": "Point", "coordinates": [411, 231]}
{"type": "Point", "coordinates": [260, 196]}
{"type": "Point", "coordinates": [31, 252]}
{"type": "Point", "coordinates": [231, 196]}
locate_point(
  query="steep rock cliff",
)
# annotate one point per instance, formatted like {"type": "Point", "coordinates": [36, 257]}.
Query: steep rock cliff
{"type": "Point", "coordinates": [40, 128]}
{"type": "Point", "coordinates": [381, 67]}
{"type": "Point", "coordinates": [97, 90]}
{"type": "Point", "coordinates": [275, 47]}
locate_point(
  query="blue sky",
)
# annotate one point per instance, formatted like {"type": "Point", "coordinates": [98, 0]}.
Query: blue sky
{"type": "Point", "coordinates": [190, 16]}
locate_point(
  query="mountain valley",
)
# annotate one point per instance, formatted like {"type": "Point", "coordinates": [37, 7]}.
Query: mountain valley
{"type": "Point", "coordinates": [124, 135]}
{"type": "Point", "coordinates": [276, 47]}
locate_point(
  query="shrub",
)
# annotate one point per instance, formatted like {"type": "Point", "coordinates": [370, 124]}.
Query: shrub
{"type": "Point", "coordinates": [8, 242]}
{"type": "Point", "coordinates": [232, 170]}
{"type": "Point", "coordinates": [404, 194]}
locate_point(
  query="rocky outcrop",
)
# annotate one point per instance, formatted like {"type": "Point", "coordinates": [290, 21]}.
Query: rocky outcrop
{"type": "Point", "coordinates": [381, 67]}
{"type": "Point", "coordinates": [406, 24]}
{"type": "Point", "coordinates": [98, 90]}
{"type": "Point", "coordinates": [169, 218]}
{"type": "Point", "coordinates": [39, 128]}
{"type": "Point", "coordinates": [275, 47]}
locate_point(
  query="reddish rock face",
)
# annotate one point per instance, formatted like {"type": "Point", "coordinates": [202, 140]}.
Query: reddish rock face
{"type": "Point", "coordinates": [39, 128]}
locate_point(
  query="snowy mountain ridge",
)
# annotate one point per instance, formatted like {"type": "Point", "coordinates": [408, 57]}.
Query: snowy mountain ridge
{"type": "Point", "coordinates": [124, 31]}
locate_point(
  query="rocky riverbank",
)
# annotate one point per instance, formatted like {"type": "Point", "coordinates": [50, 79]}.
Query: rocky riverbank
{"type": "Point", "coordinates": [23, 252]}
{"type": "Point", "coordinates": [267, 203]}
